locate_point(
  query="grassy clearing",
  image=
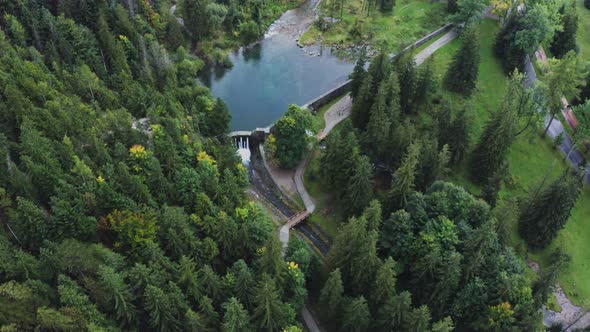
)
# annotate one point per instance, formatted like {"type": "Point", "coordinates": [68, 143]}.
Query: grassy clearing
{"type": "Point", "coordinates": [552, 303]}
{"type": "Point", "coordinates": [327, 214]}
{"type": "Point", "coordinates": [583, 37]}
{"type": "Point", "coordinates": [409, 20]}
{"type": "Point", "coordinates": [318, 122]}
{"type": "Point", "coordinates": [531, 159]}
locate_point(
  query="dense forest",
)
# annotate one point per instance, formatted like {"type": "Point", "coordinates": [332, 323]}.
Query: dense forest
{"type": "Point", "coordinates": [123, 203]}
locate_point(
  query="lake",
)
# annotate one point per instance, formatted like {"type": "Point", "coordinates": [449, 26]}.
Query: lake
{"type": "Point", "coordinates": [275, 73]}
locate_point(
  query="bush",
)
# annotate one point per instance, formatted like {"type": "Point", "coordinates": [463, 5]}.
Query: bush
{"type": "Point", "coordinates": [249, 32]}
{"type": "Point", "coordinates": [587, 4]}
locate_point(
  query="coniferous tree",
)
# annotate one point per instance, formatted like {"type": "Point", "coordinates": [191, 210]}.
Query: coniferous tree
{"type": "Point", "coordinates": [361, 107]}
{"type": "Point", "coordinates": [460, 139]}
{"type": "Point", "coordinates": [405, 67]}
{"type": "Point", "coordinates": [358, 75]}
{"type": "Point", "coordinates": [270, 313]}
{"type": "Point", "coordinates": [403, 179]}
{"type": "Point", "coordinates": [235, 317]}
{"type": "Point", "coordinates": [359, 189]}
{"type": "Point", "coordinates": [546, 212]}
{"type": "Point", "coordinates": [394, 315]}
{"type": "Point", "coordinates": [565, 40]}
{"type": "Point", "coordinates": [489, 155]}
{"type": "Point", "coordinates": [332, 294]}
{"type": "Point", "coordinates": [377, 133]}
{"type": "Point", "coordinates": [356, 315]}
{"type": "Point", "coordinates": [373, 215]}
{"type": "Point", "coordinates": [493, 186]}
{"type": "Point", "coordinates": [461, 76]}
{"type": "Point", "coordinates": [355, 253]}
{"type": "Point", "coordinates": [384, 284]}
{"type": "Point", "coordinates": [426, 81]}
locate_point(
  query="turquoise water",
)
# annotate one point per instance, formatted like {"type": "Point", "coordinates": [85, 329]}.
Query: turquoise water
{"type": "Point", "coordinates": [266, 78]}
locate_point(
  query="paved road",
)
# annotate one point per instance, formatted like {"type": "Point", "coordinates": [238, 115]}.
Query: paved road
{"type": "Point", "coordinates": [575, 158]}
{"type": "Point", "coordinates": [341, 110]}
{"type": "Point", "coordinates": [430, 49]}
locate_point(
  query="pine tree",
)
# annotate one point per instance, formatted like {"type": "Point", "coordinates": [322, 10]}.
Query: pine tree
{"type": "Point", "coordinates": [373, 215]}
{"type": "Point", "coordinates": [362, 104]}
{"type": "Point", "coordinates": [489, 155]}
{"type": "Point", "coordinates": [377, 134]}
{"type": "Point", "coordinates": [379, 69]}
{"type": "Point", "coordinates": [493, 186]}
{"type": "Point", "coordinates": [358, 75]}
{"type": "Point", "coordinates": [459, 137]}
{"type": "Point", "coordinates": [461, 77]}
{"type": "Point", "coordinates": [159, 308]}
{"type": "Point", "coordinates": [426, 82]}
{"type": "Point", "coordinates": [565, 40]}
{"type": "Point", "coordinates": [547, 210]}
{"type": "Point", "coordinates": [403, 180]}
{"type": "Point", "coordinates": [405, 67]}
{"type": "Point", "coordinates": [195, 19]}
{"type": "Point", "coordinates": [235, 317]}
{"type": "Point", "coordinates": [394, 315]}
{"type": "Point", "coordinates": [354, 252]}
{"type": "Point", "coordinates": [356, 315]}
{"type": "Point", "coordinates": [332, 294]}
{"type": "Point", "coordinates": [359, 189]}
{"type": "Point", "coordinates": [270, 313]}
{"type": "Point", "coordinates": [384, 285]}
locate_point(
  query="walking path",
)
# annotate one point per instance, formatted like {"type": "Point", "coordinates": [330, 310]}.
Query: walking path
{"type": "Point", "coordinates": [575, 158]}
{"type": "Point", "coordinates": [337, 113]}
{"type": "Point", "coordinates": [570, 313]}
{"type": "Point", "coordinates": [430, 49]}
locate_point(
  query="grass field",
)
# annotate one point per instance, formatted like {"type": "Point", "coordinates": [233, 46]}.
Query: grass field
{"type": "Point", "coordinates": [409, 20]}
{"type": "Point", "coordinates": [531, 158]}
{"type": "Point", "coordinates": [583, 37]}
{"type": "Point", "coordinates": [327, 214]}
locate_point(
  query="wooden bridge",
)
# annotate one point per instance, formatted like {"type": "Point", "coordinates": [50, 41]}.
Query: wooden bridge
{"type": "Point", "coordinates": [297, 218]}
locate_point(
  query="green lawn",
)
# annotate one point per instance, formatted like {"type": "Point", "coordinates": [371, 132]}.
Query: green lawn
{"type": "Point", "coordinates": [531, 158]}
{"type": "Point", "coordinates": [318, 122]}
{"type": "Point", "coordinates": [327, 214]}
{"type": "Point", "coordinates": [409, 20]}
{"type": "Point", "coordinates": [583, 35]}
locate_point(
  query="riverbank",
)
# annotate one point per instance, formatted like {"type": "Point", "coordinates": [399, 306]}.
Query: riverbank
{"type": "Point", "coordinates": [409, 20]}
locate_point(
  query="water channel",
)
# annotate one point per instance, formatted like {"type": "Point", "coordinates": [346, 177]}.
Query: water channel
{"type": "Point", "coordinates": [276, 72]}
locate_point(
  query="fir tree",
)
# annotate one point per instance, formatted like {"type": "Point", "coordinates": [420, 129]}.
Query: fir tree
{"type": "Point", "coordinates": [358, 75]}
{"type": "Point", "coordinates": [359, 189]}
{"type": "Point", "coordinates": [426, 82]}
{"type": "Point", "coordinates": [546, 212]}
{"type": "Point", "coordinates": [332, 294]}
{"type": "Point", "coordinates": [395, 314]}
{"type": "Point", "coordinates": [403, 180]}
{"type": "Point", "coordinates": [462, 74]}
{"type": "Point", "coordinates": [235, 317]}
{"type": "Point", "coordinates": [406, 71]}
{"type": "Point", "coordinates": [384, 285]}
{"type": "Point", "coordinates": [361, 106]}
{"type": "Point", "coordinates": [459, 140]}
{"type": "Point", "coordinates": [356, 315]}
{"type": "Point", "coordinates": [270, 313]}
{"type": "Point", "coordinates": [377, 133]}
{"type": "Point", "coordinates": [490, 153]}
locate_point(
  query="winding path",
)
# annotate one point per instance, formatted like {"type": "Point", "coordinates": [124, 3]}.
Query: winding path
{"type": "Point", "coordinates": [337, 113]}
